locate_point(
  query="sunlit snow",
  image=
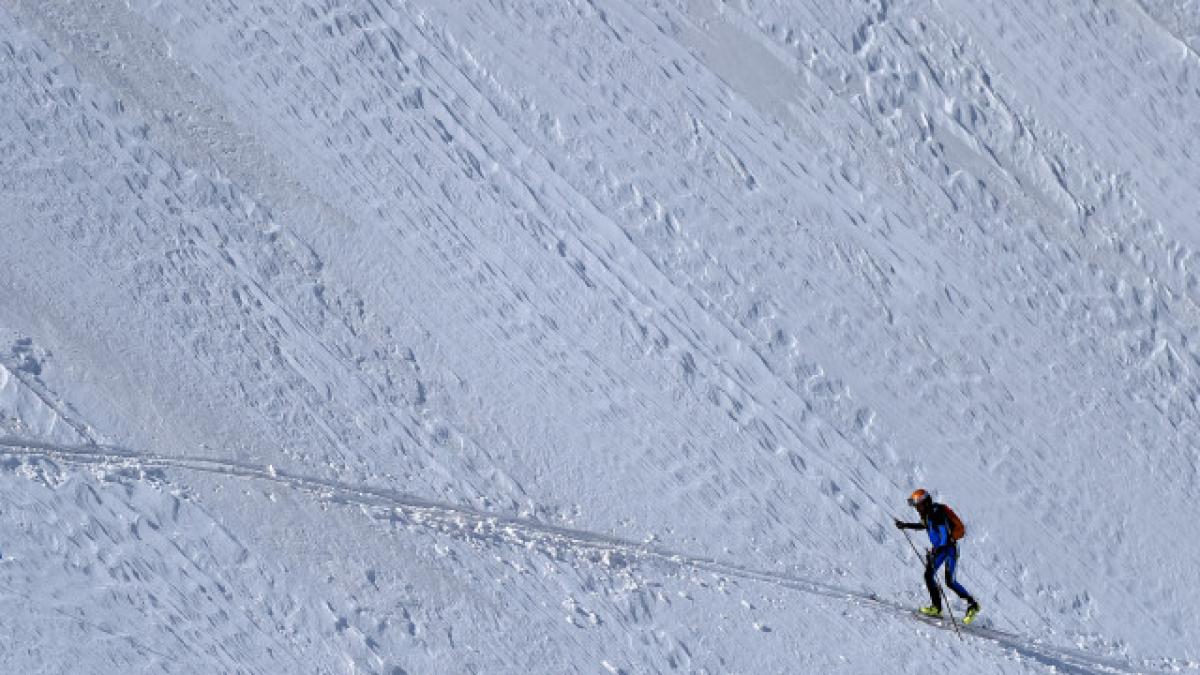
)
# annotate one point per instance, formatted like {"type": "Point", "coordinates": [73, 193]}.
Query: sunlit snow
{"type": "Point", "coordinates": [597, 336]}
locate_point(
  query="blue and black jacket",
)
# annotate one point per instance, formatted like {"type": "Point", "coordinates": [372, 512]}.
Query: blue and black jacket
{"type": "Point", "coordinates": [937, 526]}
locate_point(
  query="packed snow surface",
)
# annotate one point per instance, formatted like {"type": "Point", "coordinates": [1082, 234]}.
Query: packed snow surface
{"type": "Point", "coordinates": [391, 336]}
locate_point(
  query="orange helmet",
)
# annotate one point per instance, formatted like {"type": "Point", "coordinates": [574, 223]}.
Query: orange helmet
{"type": "Point", "coordinates": [918, 497]}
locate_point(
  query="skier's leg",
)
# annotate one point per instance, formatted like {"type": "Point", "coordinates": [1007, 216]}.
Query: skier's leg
{"type": "Point", "coordinates": [951, 564]}
{"type": "Point", "coordinates": [935, 598]}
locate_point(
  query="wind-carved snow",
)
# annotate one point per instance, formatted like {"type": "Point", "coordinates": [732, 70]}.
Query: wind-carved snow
{"type": "Point", "coordinates": [599, 335]}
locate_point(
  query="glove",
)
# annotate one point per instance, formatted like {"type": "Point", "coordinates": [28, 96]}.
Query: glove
{"type": "Point", "coordinates": [899, 523]}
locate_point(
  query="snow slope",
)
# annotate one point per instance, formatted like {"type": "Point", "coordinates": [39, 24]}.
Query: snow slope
{"type": "Point", "coordinates": [388, 336]}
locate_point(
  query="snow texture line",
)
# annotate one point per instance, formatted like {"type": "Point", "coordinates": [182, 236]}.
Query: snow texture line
{"type": "Point", "coordinates": [43, 394]}
{"type": "Point", "coordinates": [604, 549]}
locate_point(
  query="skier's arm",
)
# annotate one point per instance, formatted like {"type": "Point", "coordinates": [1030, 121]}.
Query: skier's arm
{"type": "Point", "coordinates": [901, 525]}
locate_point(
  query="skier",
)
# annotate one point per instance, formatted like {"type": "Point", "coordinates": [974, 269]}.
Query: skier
{"type": "Point", "coordinates": [945, 529]}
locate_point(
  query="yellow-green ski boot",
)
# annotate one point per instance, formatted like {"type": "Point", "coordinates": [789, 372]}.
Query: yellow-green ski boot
{"type": "Point", "coordinates": [931, 612]}
{"type": "Point", "coordinates": [972, 612]}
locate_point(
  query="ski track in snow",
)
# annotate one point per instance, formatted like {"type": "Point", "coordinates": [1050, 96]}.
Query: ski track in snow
{"type": "Point", "coordinates": [496, 530]}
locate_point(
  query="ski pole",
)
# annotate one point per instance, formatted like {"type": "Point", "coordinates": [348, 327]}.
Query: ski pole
{"type": "Point", "coordinates": [914, 546]}
{"type": "Point", "coordinates": [949, 610]}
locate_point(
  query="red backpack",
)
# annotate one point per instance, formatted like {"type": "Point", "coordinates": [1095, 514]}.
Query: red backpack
{"type": "Point", "coordinates": [957, 529]}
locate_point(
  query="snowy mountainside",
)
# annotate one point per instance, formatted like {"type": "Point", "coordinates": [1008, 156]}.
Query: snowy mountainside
{"type": "Point", "coordinates": [387, 336]}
